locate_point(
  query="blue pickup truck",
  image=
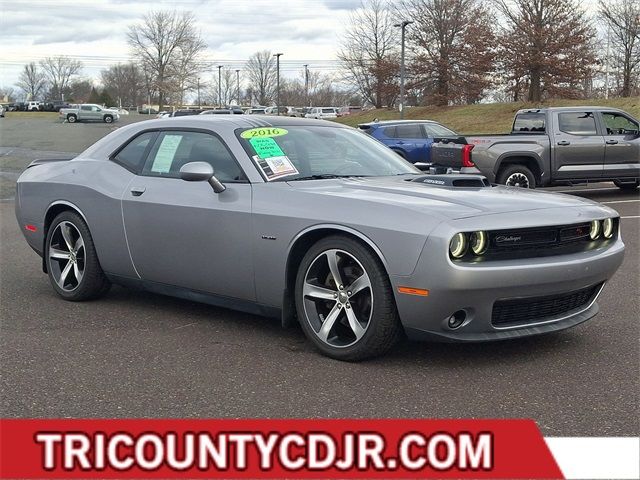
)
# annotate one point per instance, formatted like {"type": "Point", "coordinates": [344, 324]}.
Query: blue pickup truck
{"type": "Point", "coordinates": [411, 139]}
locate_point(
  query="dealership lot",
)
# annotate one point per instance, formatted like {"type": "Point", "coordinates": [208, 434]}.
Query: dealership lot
{"type": "Point", "coordinates": [137, 354]}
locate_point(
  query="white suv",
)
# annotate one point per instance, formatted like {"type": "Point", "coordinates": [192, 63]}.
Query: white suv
{"type": "Point", "coordinates": [322, 112]}
{"type": "Point", "coordinates": [33, 106]}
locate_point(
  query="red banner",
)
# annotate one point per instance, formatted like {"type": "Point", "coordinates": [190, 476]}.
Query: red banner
{"type": "Point", "coordinates": [389, 448]}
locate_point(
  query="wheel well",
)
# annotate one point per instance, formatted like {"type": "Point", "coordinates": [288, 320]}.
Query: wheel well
{"type": "Point", "coordinates": [52, 213]}
{"type": "Point", "coordinates": [400, 152]}
{"type": "Point", "coordinates": [528, 162]}
{"type": "Point", "coordinates": [297, 252]}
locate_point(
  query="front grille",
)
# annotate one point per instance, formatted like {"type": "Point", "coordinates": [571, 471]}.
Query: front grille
{"type": "Point", "coordinates": [521, 311]}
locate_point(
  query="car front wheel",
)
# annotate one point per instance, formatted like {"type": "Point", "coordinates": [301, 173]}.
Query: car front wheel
{"type": "Point", "coordinates": [344, 300]}
{"type": "Point", "coordinates": [626, 185]}
{"type": "Point", "coordinates": [71, 118]}
{"type": "Point", "coordinates": [72, 263]}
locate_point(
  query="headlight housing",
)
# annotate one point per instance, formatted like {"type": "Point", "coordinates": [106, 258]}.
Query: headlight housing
{"type": "Point", "coordinates": [458, 245]}
{"type": "Point", "coordinates": [479, 242]}
{"type": "Point", "coordinates": [594, 232]}
{"type": "Point", "coordinates": [607, 227]}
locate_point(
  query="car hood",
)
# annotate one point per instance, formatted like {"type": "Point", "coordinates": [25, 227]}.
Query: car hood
{"type": "Point", "coordinates": [448, 202]}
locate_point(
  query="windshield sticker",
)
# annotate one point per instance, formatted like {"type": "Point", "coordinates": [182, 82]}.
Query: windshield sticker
{"type": "Point", "coordinates": [264, 132]}
{"type": "Point", "coordinates": [276, 167]}
{"type": "Point", "coordinates": [166, 153]}
{"type": "Point", "coordinates": [266, 147]}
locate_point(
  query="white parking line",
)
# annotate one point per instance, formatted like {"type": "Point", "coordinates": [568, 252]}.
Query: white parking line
{"type": "Point", "coordinates": [620, 201]}
{"type": "Point", "coordinates": [584, 190]}
{"type": "Point", "coordinates": [632, 216]}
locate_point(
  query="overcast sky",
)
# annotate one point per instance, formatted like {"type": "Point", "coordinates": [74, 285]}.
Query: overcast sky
{"type": "Point", "coordinates": [94, 31]}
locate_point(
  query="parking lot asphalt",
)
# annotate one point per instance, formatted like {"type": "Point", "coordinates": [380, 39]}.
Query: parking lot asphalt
{"type": "Point", "coordinates": [136, 354]}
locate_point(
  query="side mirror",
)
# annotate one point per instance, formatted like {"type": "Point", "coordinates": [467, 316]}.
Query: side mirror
{"type": "Point", "coordinates": [201, 172]}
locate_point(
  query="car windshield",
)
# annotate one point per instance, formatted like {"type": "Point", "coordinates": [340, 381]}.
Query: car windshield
{"type": "Point", "coordinates": [313, 152]}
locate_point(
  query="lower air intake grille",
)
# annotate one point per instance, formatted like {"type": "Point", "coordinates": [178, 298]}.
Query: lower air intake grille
{"type": "Point", "coordinates": [520, 311]}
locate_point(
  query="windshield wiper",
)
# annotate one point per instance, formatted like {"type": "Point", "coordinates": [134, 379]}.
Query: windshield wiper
{"type": "Point", "coordinates": [324, 176]}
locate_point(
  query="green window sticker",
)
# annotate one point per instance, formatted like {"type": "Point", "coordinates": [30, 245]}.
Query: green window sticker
{"type": "Point", "coordinates": [166, 153]}
{"type": "Point", "coordinates": [266, 147]}
{"type": "Point", "coordinates": [264, 132]}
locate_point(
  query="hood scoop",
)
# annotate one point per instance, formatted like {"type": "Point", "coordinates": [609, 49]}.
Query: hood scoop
{"type": "Point", "coordinates": [455, 180]}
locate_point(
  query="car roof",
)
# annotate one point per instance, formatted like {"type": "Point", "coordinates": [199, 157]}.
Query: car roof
{"type": "Point", "coordinates": [387, 123]}
{"type": "Point", "coordinates": [570, 109]}
{"type": "Point", "coordinates": [241, 121]}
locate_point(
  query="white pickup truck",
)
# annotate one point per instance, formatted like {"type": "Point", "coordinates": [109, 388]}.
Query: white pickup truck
{"type": "Point", "coordinates": [88, 112]}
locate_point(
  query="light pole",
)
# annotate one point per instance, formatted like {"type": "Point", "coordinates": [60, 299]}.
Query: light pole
{"type": "Point", "coordinates": [403, 26]}
{"type": "Point", "coordinates": [306, 83]}
{"type": "Point", "coordinates": [238, 86]}
{"type": "Point", "coordinates": [220, 86]}
{"type": "Point", "coordinates": [278, 55]}
{"type": "Point", "coordinates": [199, 106]}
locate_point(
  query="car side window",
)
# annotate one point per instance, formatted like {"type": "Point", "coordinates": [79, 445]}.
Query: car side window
{"type": "Point", "coordinates": [577, 123]}
{"type": "Point", "coordinates": [173, 149]}
{"type": "Point", "coordinates": [617, 124]}
{"type": "Point", "coordinates": [435, 130]}
{"type": "Point", "coordinates": [86, 108]}
{"type": "Point", "coordinates": [390, 132]}
{"type": "Point", "coordinates": [133, 154]}
{"type": "Point", "coordinates": [409, 131]}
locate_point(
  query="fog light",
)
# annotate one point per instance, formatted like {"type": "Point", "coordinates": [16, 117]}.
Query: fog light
{"type": "Point", "coordinates": [457, 319]}
{"type": "Point", "coordinates": [607, 227]}
{"type": "Point", "coordinates": [479, 242]}
{"type": "Point", "coordinates": [458, 245]}
{"type": "Point", "coordinates": [594, 233]}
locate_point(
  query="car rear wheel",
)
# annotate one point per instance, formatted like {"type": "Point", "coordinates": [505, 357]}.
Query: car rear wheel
{"type": "Point", "coordinates": [344, 300]}
{"type": "Point", "coordinates": [626, 185]}
{"type": "Point", "coordinates": [72, 118]}
{"type": "Point", "coordinates": [72, 263]}
{"type": "Point", "coordinates": [517, 176]}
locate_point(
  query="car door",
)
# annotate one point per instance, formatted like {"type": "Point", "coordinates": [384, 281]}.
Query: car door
{"type": "Point", "coordinates": [410, 138]}
{"type": "Point", "coordinates": [578, 145]}
{"type": "Point", "coordinates": [622, 145]}
{"type": "Point", "coordinates": [184, 234]}
{"type": "Point", "coordinates": [85, 113]}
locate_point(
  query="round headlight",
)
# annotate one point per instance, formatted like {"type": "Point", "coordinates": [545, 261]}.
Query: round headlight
{"type": "Point", "coordinates": [479, 242]}
{"type": "Point", "coordinates": [458, 245]}
{"type": "Point", "coordinates": [607, 227]}
{"type": "Point", "coordinates": [595, 229]}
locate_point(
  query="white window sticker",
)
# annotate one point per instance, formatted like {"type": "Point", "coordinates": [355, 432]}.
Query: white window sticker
{"type": "Point", "coordinates": [166, 153]}
{"type": "Point", "coordinates": [276, 167]}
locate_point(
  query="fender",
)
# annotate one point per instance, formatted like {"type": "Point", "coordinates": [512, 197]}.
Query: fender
{"type": "Point", "coordinates": [524, 154]}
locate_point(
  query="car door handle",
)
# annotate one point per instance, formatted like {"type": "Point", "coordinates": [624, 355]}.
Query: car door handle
{"type": "Point", "coordinates": [612, 142]}
{"type": "Point", "coordinates": [137, 191]}
{"type": "Point", "coordinates": [400, 142]}
{"type": "Point", "coordinates": [564, 142]}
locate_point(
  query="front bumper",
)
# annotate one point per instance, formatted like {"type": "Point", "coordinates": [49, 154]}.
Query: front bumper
{"type": "Point", "coordinates": [474, 288]}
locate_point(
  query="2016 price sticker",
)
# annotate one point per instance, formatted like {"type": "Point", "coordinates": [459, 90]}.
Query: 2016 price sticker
{"type": "Point", "coordinates": [264, 132]}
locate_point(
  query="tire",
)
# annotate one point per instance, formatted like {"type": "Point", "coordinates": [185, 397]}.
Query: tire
{"type": "Point", "coordinates": [626, 185]}
{"type": "Point", "coordinates": [69, 247]}
{"type": "Point", "coordinates": [372, 303]}
{"type": "Point", "coordinates": [516, 175]}
{"type": "Point", "coordinates": [108, 119]}
{"type": "Point", "coordinates": [72, 118]}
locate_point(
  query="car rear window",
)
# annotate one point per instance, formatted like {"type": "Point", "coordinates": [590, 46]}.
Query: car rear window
{"type": "Point", "coordinates": [529, 122]}
{"type": "Point", "coordinates": [328, 110]}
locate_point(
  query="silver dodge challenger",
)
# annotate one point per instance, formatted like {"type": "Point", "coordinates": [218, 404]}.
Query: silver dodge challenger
{"type": "Point", "coordinates": [315, 222]}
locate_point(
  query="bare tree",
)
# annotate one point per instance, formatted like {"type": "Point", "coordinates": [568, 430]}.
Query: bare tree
{"type": "Point", "coordinates": [59, 72]}
{"type": "Point", "coordinates": [622, 18]}
{"type": "Point", "coordinates": [369, 53]}
{"type": "Point", "coordinates": [227, 88]}
{"type": "Point", "coordinates": [548, 45]}
{"type": "Point", "coordinates": [452, 45]}
{"type": "Point", "coordinates": [261, 73]}
{"type": "Point", "coordinates": [168, 47]}
{"type": "Point", "coordinates": [124, 82]}
{"type": "Point", "coordinates": [32, 81]}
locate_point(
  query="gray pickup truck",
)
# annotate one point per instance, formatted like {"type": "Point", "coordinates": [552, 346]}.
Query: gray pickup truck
{"type": "Point", "coordinates": [551, 146]}
{"type": "Point", "coordinates": [88, 112]}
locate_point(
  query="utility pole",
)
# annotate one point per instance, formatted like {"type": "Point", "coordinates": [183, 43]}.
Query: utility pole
{"type": "Point", "coordinates": [306, 84]}
{"type": "Point", "coordinates": [238, 86]}
{"type": "Point", "coordinates": [606, 74]}
{"type": "Point", "coordinates": [199, 106]}
{"type": "Point", "coordinates": [278, 55]}
{"type": "Point", "coordinates": [220, 86]}
{"type": "Point", "coordinates": [403, 26]}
